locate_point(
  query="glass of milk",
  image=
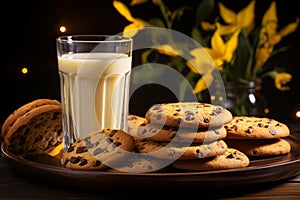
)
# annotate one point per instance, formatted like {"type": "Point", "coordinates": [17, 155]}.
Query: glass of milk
{"type": "Point", "coordinates": [94, 73]}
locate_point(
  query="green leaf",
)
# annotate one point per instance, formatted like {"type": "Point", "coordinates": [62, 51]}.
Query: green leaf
{"type": "Point", "coordinates": [196, 35]}
{"type": "Point", "coordinates": [241, 58]}
{"type": "Point", "coordinates": [157, 22]}
{"type": "Point", "coordinates": [204, 10]}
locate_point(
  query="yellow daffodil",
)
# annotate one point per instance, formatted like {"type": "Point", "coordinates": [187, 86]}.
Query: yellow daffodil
{"type": "Point", "coordinates": [168, 50]}
{"type": "Point", "coordinates": [281, 79]}
{"type": "Point", "coordinates": [136, 2]}
{"type": "Point", "coordinates": [201, 63]}
{"type": "Point", "coordinates": [269, 36]}
{"type": "Point", "coordinates": [262, 55]}
{"type": "Point", "coordinates": [270, 22]}
{"type": "Point", "coordinates": [235, 21]}
{"type": "Point", "coordinates": [208, 26]}
{"type": "Point", "coordinates": [204, 82]}
{"type": "Point", "coordinates": [220, 51]}
{"type": "Point", "coordinates": [136, 23]}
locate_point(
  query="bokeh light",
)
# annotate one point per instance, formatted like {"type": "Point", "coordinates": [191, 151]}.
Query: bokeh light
{"type": "Point", "coordinates": [62, 29]}
{"type": "Point", "coordinates": [24, 70]}
{"type": "Point", "coordinates": [298, 114]}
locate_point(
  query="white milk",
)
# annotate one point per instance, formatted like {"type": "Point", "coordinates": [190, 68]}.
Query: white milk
{"type": "Point", "coordinates": [95, 89]}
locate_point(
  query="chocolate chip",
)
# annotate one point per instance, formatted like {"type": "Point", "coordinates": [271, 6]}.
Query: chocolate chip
{"type": "Point", "coordinates": [143, 132]}
{"type": "Point", "coordinates": [97, 163]}
{"type": "Point", "coordinates": [117, 143]}
{"type": "Point", "coordinates": [81, 150]}
{"type": "Point", "coordinates": [260, 125]}
{"type": "Point", "coordinates": [89, 145]}
{"type": "Point", "coordinates": [189, 118]}
{"type": "Point", "coordinates": [83, 162]}
{"type": "Point", "coordinates": [149, 167]}
{"type": "Point", "coordinates": [216, 111]}
{"type": "Point", "coordinates": [74, 160]}
{"type": "Point", "coordinates": [249, 130]}
{"type": "Point", "coordinates": [70, 149]}
{"type": "Point", "coordinates": [230, 156]}
{"type": "Point", "coordinates": [66, 162]}
{"type": "Point", "coordinates": [98, 151]}
{"type": "Point", "coordinates": [205, 120]}
{"type": "Point", "coordinates": [200, 154]}
{"type": "Point", "coordinates": [171, 152]}
{"type": "Point", "coordinates": [272, 131]}
{"type": "Point", "coordinates": [113, 132]}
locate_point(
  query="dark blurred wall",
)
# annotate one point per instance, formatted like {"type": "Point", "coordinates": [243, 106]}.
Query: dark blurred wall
{"type": "Point", "coordinates": [29, 30]}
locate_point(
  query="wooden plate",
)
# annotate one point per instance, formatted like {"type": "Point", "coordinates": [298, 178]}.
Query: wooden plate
{"type": "Point", "coordinates": [259, 171]}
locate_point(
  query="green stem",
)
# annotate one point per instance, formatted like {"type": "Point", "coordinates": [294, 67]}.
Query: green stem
{"type": "Point", "coordinates": [249, 76]}
{"type": "Point", "coordinates": [165, 12]}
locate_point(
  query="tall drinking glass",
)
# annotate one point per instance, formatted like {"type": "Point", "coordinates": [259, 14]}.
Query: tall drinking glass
{"type": "Point", "coordinates": [94, 73]}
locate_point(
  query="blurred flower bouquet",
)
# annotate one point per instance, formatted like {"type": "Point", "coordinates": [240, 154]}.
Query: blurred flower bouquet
{"type": "Point", "coordinates": [239, 48]}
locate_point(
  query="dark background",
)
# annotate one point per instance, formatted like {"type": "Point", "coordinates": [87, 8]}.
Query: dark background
{"type": "Point", "coordinates": [29, 30]}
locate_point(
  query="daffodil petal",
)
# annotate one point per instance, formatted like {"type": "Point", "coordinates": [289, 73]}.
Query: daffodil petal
{"type": "Point", "coordinates": [136, 2]}
{"type": "Point", "coordinates": [270, 14]}
{"type": "Point", "coordinates": [227, 29]}
{"type": "Point", "coordinates": [203, 83]}
{"type": "Point", "coordinates": [217, 42]}
{"type": "Point", "coordinates": [262, 55]}
{"type": "Point", "coordinates": [246, 16]}
{"type": "Point", "coordinates": [289, 28]}
{"type": "Point", "coordinates": [282, 79]}
{"type": "Point", "coordinates": [123, 10]}
{"type": "Point", "coordinates": [202, 62]}
{"type": "Point", "coordinates": [207, 26]}
{"type": "Point", "coordinates": [228, 15]}
{"type": "Point", "coordinates": [192, 65]}
{"type": "Point", "coordinates": [216, 57]}
{"type": "Point", "coordinates": [167, 50]}
{"type": "Point", "coordinates": [231, 46]}
{"type": "Point", "coordinates": [130, 30]}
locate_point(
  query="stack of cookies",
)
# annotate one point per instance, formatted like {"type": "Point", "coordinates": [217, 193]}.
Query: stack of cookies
{"type": "Point", "coordinates": [258, 137]}
{"type": "Point", "coordinates": [187, 136]}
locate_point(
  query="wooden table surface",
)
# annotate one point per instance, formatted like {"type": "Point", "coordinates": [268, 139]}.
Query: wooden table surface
{"type": "Point", "coordinates": [15, 186]}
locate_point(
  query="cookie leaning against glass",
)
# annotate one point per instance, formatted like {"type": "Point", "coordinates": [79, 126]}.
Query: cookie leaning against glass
{"type": "Point", "coordinates": [34, 128]}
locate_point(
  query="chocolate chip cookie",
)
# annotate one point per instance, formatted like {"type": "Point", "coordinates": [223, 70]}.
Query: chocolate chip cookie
{"type": "Point", "coordinates": [250, 127]}
{"type": "Point", "coordinates": [98, 150]}
{"type": "Point", "coordinates": [188, 114]}
{"type": "Point", "coordinates": [140, 127]}
{"type": "Point", "coordinates": [35, 128]}
{"type": "Point", "coordinates": [263, 147]}
{"type": "Point", "coordinates": [231, 159]}
{"type": "Point", "coordinates": [180, 151]}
